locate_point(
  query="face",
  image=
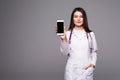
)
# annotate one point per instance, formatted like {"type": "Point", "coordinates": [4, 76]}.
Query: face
{"type": "Point", "coordinates": [78, 19]}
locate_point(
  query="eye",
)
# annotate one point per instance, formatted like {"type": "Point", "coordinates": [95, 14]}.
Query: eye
{"type": "Point", "coordinates": [75, 16]}
{"type": "Point", "coordinates": [81, 16]}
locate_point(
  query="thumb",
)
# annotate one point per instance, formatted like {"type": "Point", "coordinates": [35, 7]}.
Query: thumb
{"type": "Point", "coordinates": [64, 29]}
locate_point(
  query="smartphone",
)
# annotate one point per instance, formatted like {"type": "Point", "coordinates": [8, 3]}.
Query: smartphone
{"type": "Point", "coordinates": [60, 27]}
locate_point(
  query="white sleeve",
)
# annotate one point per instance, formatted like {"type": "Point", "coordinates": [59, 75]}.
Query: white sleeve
{"type": "Point", "coordinates": [94, 49]}
{"type": "Point", "coordinates": [64, 47]}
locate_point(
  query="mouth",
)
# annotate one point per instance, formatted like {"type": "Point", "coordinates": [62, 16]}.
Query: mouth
{"type": "Point", "coordinates": [78, 22]}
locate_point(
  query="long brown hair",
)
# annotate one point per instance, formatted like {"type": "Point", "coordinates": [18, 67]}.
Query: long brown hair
{"type": "Point", "coordinates": [85, 22]}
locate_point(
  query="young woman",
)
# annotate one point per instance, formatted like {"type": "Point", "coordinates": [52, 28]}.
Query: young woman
{"type": "Point", "coordinates": [79, 44]}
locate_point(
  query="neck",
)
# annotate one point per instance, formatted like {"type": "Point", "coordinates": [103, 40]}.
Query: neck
{"type": "Point", "coordinates": [78, 28]}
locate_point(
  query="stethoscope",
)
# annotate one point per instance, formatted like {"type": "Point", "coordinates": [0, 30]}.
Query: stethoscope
{"type": "Point", "coordinates": [89, 42]}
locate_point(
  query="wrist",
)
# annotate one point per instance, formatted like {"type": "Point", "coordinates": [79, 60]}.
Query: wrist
{"type": "Point", "coordinates": [64, 40]}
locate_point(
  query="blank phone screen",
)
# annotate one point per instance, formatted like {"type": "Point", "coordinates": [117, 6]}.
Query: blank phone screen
{"type": "Point", "coordinates": [60, 26]}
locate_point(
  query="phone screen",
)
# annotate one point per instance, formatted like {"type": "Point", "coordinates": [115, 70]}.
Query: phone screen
{"type": "Point", "coordinates": [60, 26]}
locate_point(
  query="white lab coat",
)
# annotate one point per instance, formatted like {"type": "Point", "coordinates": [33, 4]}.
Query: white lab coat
{"type": "Point", "coordinates": [79, 55]}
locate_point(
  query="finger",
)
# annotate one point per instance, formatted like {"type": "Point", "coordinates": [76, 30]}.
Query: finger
{"type": "Point", "coordinates": [87, 67]}
{"type": "Point", "coordinates": [56, 30]}
{"type": "Point", "coordinates": [64, 29]}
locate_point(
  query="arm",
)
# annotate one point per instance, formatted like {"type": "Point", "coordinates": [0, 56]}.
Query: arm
{"type": "Point", "coordinates": [64, 45]}
{"type": "Point", "coordinates": [94, 49]}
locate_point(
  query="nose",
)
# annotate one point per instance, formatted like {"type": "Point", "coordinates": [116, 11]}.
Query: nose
{"type": "Point", "coordinates": [79, 19]}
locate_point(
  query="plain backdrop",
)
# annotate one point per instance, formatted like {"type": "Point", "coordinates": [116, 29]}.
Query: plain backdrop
{"type": "Point", "coordinates": [29, 47]}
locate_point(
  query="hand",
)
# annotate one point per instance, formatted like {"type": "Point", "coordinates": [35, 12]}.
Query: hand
{"type": "Point", "coordinates": [90, 65]}
{"type": "Point", "coordinates": [63, 37]}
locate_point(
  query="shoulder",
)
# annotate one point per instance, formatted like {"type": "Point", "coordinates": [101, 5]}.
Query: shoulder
{"type": "Point", "coordinates": [68, 32]}
{"type": "Point", "coordinates": [92, 34]}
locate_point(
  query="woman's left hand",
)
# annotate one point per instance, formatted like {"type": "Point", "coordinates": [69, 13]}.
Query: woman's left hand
{"type": "Point", "coordinates": [90, 65]}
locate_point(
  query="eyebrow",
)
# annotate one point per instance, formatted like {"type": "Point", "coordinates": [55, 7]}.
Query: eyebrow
{"type": "Point", "coordinates": [78, 15]}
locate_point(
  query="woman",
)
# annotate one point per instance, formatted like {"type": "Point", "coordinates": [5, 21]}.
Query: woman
{"type": "Point", "coordinates": [79, 44]}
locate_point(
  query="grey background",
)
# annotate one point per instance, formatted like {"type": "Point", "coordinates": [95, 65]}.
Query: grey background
{"type": "Point", "coordinates": [29, 47]}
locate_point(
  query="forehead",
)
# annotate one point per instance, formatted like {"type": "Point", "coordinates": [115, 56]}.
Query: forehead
{"type": "Point", "coordinates": [78, 13]}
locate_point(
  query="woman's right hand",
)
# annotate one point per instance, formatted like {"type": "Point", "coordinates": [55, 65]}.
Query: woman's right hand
{"type": "Point", "coordinates": [63, 37]}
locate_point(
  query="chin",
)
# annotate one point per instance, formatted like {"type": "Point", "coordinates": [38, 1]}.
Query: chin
{"type": "Point", "coordinates": [79, 25]}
